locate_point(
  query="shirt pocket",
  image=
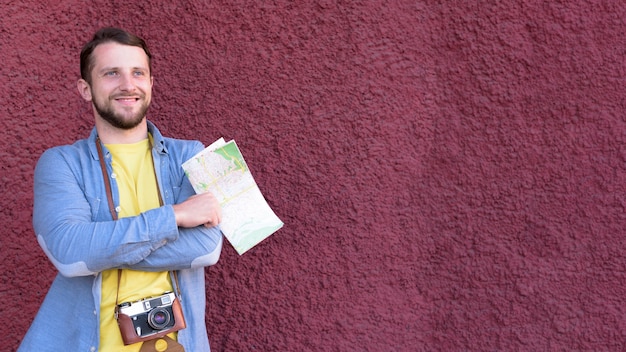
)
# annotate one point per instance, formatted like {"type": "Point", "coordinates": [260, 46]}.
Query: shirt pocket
{"type": "Point", "coordinates": [175, 194]}
{"type": "Point", "coordinates": [98, 211]}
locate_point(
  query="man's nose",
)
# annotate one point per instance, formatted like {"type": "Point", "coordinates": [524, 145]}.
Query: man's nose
{"type": "Point", "coordinates": [127, 83]}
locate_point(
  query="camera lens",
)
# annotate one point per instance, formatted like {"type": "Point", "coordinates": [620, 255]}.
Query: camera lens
{"type": "Point", "coordinates": [158, 318]}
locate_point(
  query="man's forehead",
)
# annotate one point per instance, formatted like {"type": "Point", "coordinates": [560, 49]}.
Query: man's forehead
{"type": "Point", "coordinates": [119, 55]}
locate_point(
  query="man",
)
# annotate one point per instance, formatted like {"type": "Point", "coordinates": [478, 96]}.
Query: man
{"type": "Point", "coordinates": [117, 217]}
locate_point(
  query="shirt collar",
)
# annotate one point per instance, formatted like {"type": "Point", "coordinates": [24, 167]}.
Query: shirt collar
{"type": "Point", "coordinates": [157, 137]}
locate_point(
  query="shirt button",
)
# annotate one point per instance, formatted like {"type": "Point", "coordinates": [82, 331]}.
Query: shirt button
{"type": "Point", "coordinates": [92, 349]}
{"type": "Point", "coordinates": [95, 313]}
{"type": "Point", "coordinates": [118, 209]}
{"type": "Point", "coordinates": [113, 175]}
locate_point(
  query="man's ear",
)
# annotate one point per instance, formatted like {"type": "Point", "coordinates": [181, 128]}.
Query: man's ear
{"type": "Point", "coordinates": [84, 89]}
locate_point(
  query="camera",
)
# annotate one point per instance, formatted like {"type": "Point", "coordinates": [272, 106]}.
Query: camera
{"type": "Point", "coordinates": [149, 316]}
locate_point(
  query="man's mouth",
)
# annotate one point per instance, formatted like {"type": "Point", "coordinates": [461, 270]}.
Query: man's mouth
{"type": "Point", "coordinates": [127, 100]}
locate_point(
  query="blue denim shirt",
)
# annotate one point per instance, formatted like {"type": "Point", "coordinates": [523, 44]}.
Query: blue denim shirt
{"type": "Point", "coordinates": [75, 229]}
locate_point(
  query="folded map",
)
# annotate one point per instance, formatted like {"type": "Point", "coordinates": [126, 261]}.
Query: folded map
{"type": "Point", "coordinates": [247, 219]}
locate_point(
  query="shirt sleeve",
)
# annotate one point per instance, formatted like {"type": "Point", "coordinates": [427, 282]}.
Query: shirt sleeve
{"type": "Point", "coordinates": [193, 247]}
{"type": "Point", "coordinates": [78, 245]}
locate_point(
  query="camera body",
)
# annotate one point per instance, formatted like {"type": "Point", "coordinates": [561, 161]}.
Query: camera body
{"type": "Point", "coordinates": [150, 316]}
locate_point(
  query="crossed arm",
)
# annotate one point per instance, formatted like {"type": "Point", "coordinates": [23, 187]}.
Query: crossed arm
{"type": "Point", "coordinates": [68, 225]}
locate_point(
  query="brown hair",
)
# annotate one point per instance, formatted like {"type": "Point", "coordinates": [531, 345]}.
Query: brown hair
{"type": "Point", "coordinates": [106, 35]}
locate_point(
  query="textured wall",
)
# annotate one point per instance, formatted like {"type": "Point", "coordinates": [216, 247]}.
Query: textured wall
{"type": "Point", "coordinates": [451, 174]}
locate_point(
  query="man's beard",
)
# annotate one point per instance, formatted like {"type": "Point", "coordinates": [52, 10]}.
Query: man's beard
{"type": "Point", "coordinates": [117, 120]}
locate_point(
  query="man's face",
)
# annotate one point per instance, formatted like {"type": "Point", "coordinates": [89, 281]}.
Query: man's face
{"type": "Point", "coordinates": [121, 85]}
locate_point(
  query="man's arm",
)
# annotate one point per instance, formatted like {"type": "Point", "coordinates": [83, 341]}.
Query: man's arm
{"type": "Point", "coordinates": [196, 217]}
{"type": "Point", "coordinates": [78, 245]}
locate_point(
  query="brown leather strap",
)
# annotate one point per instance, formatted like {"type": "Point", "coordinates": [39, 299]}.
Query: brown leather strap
{"type": "Point", "coordinates": [117, 292]}
{"type": "Point", "coordinates": [107, 182]}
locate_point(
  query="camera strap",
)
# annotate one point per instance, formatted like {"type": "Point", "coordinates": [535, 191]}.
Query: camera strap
{"type": "Point", "coordinates": [107, 186]}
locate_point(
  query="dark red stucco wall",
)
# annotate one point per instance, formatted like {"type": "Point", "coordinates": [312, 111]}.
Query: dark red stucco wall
{"type": "Point", "coordinates": [451, 174]}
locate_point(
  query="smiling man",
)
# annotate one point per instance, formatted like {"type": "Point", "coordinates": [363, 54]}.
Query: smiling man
{"type": "Point", "coordinates": [118, 85]}
{"type": "Point", "coordinates": [118, 218]}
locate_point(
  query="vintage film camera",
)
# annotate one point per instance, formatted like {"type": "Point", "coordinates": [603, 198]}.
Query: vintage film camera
{"type": "Point", "coordinates": [150, 318]}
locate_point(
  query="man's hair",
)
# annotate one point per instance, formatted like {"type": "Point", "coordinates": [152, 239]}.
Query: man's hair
{"type": "Point", "coordinates": [106, 35]}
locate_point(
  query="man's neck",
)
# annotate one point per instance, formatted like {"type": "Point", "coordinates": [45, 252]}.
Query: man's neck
{"type": "Point", "coordinates": [113, 135]}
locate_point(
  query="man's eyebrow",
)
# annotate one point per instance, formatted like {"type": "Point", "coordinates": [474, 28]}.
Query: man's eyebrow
{"type": "Point", "coordinates": [108, 68]}
{"type": "Point", "coordinates": [116, 68]}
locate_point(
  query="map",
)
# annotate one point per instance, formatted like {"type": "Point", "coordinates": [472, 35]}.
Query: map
{"type": "Point", "coordinates": [247, 219]}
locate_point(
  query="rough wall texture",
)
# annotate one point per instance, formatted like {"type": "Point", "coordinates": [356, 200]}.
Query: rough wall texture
{"type": "Point", "coordinates": [451, 174]}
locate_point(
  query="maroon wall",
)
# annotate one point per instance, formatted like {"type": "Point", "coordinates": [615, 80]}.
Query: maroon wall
{"type": "Point", "coordinates": [451, 174]}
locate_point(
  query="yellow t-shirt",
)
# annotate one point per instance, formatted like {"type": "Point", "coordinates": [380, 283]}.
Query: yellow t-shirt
{"type": "Point", "coordinates": [134, 173]}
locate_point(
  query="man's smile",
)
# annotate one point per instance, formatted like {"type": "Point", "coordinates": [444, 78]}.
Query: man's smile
{"type": "Point", "coordinates": [127, 100]}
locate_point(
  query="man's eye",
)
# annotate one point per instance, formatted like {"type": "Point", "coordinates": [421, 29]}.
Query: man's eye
{"type": "Point", "coordinates": [110, 73]}
{"type": "Point", "coordinates": [139, 73]}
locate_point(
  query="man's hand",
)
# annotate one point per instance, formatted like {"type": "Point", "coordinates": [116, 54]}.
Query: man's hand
{"type": "Point", "coordinates": [199, 209]}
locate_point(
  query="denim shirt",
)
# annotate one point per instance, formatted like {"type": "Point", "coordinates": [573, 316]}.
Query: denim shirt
{"type": "Point", "coordinates": [75, 229]}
